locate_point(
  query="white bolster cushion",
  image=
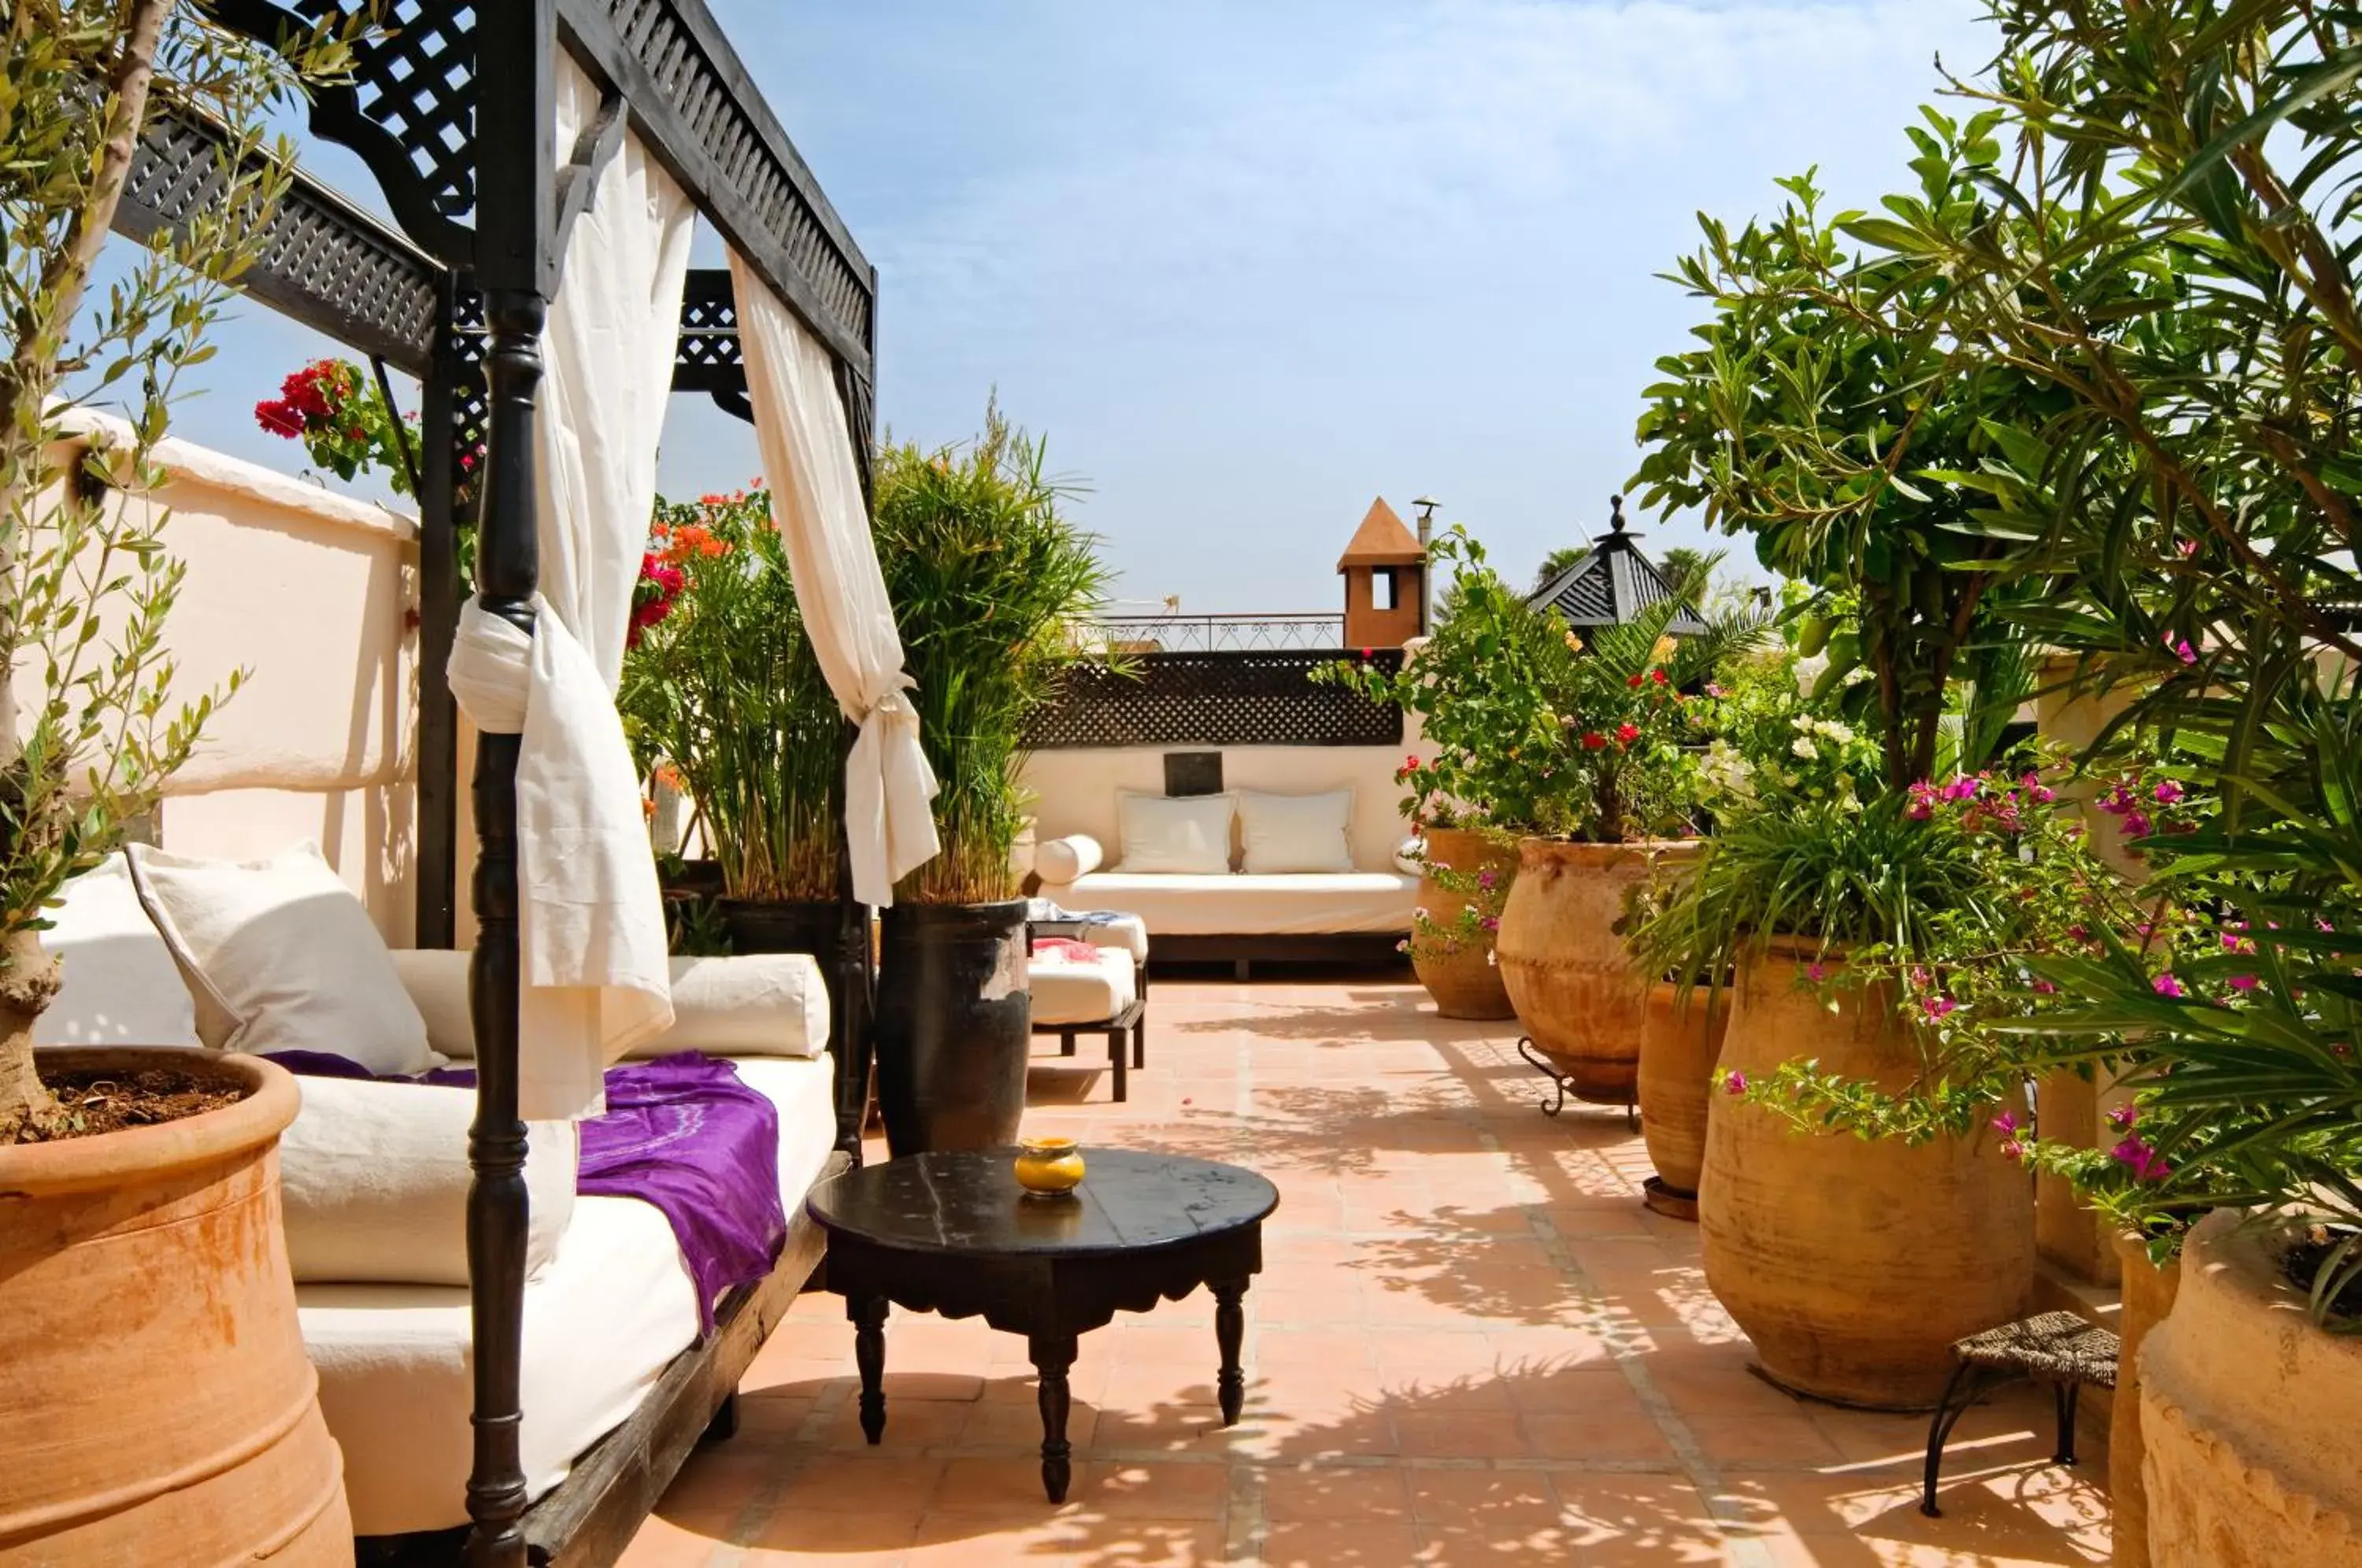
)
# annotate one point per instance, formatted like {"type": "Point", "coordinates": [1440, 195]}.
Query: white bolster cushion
{"type": "Point", "coordinates": [1063, 860]}
{"type": "Point", "coordinates": [1410, 858]}
{"type": "Point", "coordinates": [374, 1178]}
{"type": "Point", "coordinates": [758, 1004]}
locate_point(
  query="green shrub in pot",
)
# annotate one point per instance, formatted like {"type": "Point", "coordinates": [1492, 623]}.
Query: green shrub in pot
{"type": "Point", "coordinates": [989, 580]}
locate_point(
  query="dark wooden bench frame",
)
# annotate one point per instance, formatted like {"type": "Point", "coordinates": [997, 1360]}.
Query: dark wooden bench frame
{"type": "Point", "coordinates": [588, 1519]}
{"type": "Point", "coordinates": [1133, 1020]}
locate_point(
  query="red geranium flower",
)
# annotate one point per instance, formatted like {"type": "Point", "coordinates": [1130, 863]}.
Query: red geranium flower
{"type": "Point", "coordinates": [1626, 733]}
{"type": "Point", "coordinates": [1635, 682]}
{"type": "Point", "coordinates": [1592, 740]}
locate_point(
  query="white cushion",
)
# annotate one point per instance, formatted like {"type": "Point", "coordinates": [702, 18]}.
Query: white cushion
{"type": "Point", "coordinates": [1411, 856]}
{"type": "Point", "coordinates": [1285, 834]}
{"type": "Point", "coordinates": [375, 1178]}
{"type": "Point", "coordinates": [758, 1004]}
{"type": "Point", "coordinates": [1081, 990]}
{"type": "Point", "coordinates": [1359, 902]}
{"type": "Point", "coordinates": [121, 985]}
{"type": "Point", "coordinates": [281, 957]}
{"type": "Point", "coordinates": [601, 1325]}
{"type": "Point", "coordinates": [1180, 834]}
{"type": "Point", "coordinates": [1061, 860]}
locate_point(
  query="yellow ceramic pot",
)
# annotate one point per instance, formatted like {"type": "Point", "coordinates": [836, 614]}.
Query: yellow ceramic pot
{"type": "Point", "coordinates": [1049, 1167]}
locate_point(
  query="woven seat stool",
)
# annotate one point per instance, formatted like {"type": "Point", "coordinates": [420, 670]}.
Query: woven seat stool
{"type": "Point", "coordinates": [2057, 1348]}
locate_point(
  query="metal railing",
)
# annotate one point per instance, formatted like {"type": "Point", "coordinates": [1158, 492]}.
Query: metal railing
{"type": "Point", "coordinates": [1222, 634]}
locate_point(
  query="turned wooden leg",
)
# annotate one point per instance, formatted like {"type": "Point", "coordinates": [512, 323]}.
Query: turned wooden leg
{"type": "Point", "coordinates": [1053, 1354]}
{"type": "Point", "coordinates": [868, 1315]}
{"type": "Point", "coordinates": [1229, 1330]}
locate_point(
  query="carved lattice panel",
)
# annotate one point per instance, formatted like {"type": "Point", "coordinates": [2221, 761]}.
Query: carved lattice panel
{"type": "Point", "coordinates": [1216, 699]}
{"type": "Point", "coordinates": [708, 102]}
{"type": "Point", "coordinates": [321, 262]}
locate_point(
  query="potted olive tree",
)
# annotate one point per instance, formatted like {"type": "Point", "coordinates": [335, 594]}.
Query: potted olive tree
{"type": "Point", "coordinates": [988, 578]}
{"type": "Point", "coordinates": [161, 1407]}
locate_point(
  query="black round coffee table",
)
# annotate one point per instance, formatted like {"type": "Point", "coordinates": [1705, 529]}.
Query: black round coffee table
{"type": "Point", "coordinates": [954, 1234]}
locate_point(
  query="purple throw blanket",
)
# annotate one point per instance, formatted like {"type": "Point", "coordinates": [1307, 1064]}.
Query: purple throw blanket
{"type": "Point", "coordinates": [683, 1132]}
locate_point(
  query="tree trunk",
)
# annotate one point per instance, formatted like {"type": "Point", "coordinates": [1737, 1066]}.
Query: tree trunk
{"type": "Point", "coordinates": [28, 981]}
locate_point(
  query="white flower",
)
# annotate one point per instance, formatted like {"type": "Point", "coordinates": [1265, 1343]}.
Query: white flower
{"type": "Point", "coordinates": [1802, 746]}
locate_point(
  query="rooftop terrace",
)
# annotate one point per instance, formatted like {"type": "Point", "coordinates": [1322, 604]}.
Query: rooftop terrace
{"type": "Point", "coordinates": [1470, 1345]}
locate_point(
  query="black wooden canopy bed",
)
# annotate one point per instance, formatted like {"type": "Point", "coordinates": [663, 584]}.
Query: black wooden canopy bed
{"type": "Point", "coordinates": [454, 108]}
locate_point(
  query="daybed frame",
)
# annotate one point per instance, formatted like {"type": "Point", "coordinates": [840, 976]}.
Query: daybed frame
{"type": "Point", "coordinates": [484, 201]}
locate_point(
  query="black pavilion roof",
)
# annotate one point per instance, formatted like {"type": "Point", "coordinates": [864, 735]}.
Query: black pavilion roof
{"type": "Point", "coordinates": [1613, 584]}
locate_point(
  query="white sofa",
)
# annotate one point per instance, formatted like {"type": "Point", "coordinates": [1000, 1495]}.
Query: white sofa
{"type": "Point", "coordinates": [1359, 912]}
{"type": "Point", "coordinates": [381, 1284]}
{"type": "Point", "coordinates": [611, 1309]}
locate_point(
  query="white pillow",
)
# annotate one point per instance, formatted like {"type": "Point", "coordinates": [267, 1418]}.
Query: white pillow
{"type": "Point", "coordinates": [1287, 833]}
{"type": "Point", "coordinates": [121, 987]}
{"type": "Point", "coordinates": [374, 1180]}
{"type": "Point", "coordinates": [1063, 860]}
{"type": "Point", "coordinates": [1183, 835]}
{"type": "Point", "coordinates": [756, 1004]}
{"type": "Point", "coordinates": [281, 957]}
{"type": "Point", "coordinates": [1411, 856]}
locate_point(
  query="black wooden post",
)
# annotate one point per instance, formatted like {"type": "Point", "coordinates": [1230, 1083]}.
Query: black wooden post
{"type": "Point", "coordinates": [855, 1043]}
{"type": "Point", "coordinates": [435, 862]}
{"type": "Point", "coordinates": [515, 178]}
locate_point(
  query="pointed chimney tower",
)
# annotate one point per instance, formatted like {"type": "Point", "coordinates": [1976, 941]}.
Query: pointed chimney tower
{"type": "Point", "coordinates": [1385, 571]}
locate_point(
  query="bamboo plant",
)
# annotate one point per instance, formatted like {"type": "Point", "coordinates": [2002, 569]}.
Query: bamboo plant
{"type": "Point", "coordinates": [988, 579]}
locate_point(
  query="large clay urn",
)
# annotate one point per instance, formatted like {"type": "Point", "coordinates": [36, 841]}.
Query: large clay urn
{"type": "Point", "coordinates": [1563, 959]}
{"type": "Point", "coordinates": [1458, 969]}
{"type": "Point", "coordinates": [1853, 1264]}
{"type": "Point", "coordinates": [2246, 1411]}
{"type": "Point", "coordinates": [1681, 1042]}
{"type": "Point", "coordinates": [2149, 1293]}
{"type": "Point", "coordinates": [159, 1406]}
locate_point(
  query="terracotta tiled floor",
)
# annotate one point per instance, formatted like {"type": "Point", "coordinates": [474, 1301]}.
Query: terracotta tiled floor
{"type": "Point", "coordinates": [1471, 1345]}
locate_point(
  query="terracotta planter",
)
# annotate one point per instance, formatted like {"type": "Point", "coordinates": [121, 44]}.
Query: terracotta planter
{"type": "Point", "coordinates": [1679, 1048]}
{"type": "Point", "coordinates": [160, 1408]}
{"type": "Point", "coordinates": [1852, 1263]}
{"type": "Point", "coordinates": [2149, 1293]}
{"type": "Point", "coordinates": [1562, 960]}
{"type": "Point", "coordinates": [1465, 983]}
{"type": "Point", "coordinates": [2246, 1410]}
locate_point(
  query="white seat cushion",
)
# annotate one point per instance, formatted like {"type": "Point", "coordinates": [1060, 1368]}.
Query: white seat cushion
{"type": "Point", "coordinates": [1353, 901]}
{"type": "Point", "coordinates": [121, 985]}
{"type": "Point", "coordinates": [375, 1179]}
{"type": "Point", "coordinates": [1069, 989]}
{"type": "Point", "coordinates": [1291, 833]}
{"type": "Point", "coordinates": [600, 1324]}
{"type": "Point", "coordinates": [281, 957]}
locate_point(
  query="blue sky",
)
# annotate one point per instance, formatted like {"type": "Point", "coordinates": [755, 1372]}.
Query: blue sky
{"type": "Point", "coordinates": [1249, 263]}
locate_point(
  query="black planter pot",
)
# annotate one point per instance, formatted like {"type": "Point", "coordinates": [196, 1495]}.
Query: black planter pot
{"type": "Point", "coordinates": [954, 1025]}
{"type": "Point", "coordinates": [760, 925]}
{"type": "Point", "coordinates": [693, 879]}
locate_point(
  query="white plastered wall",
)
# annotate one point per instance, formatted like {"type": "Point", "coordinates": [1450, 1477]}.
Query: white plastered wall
{"type": "Point", "coordinates": [310, 592]}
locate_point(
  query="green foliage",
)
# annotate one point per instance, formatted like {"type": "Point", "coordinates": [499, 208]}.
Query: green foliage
{"type": "Point", "coordinates": [1535, 730]}
{"type": "Point", "coordinates": [85, 585]}
{"type": "Point", "coordinates": [721, 686]}
{"type": "Point", "coordinates": [1480, 689]}
{"type": "Point", "coordinates": [1831, 416]}
{"type": "Point", "coordinates": [989, 580]}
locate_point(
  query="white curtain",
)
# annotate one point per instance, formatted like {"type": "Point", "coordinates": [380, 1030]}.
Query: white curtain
{"type": "Point", "coordinates": [808, 458]}
{"type": "Point", "coordinates": [591, 930]}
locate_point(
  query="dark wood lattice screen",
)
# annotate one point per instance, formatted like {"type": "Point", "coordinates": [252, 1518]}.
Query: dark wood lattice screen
{"type": "Point", "coordinates": [1216, 699]}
